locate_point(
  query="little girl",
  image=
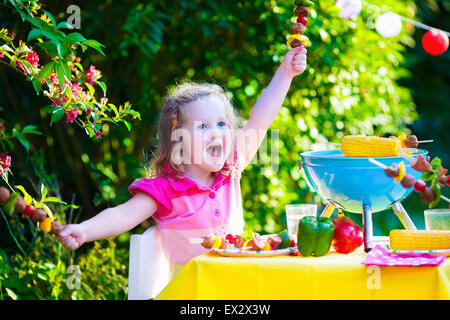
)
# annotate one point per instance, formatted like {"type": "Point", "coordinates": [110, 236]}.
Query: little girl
{"type": "Point", "coordinates": [195, 186]}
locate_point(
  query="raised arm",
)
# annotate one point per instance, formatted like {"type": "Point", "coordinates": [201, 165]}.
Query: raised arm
{"type": "Point", "coordinates": [268, 104]}
{"type": "Point", "coordinates": [110, 222]}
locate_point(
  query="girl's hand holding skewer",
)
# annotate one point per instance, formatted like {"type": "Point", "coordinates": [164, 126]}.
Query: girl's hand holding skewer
{"type": "Point", "coordinates": [294, 62]}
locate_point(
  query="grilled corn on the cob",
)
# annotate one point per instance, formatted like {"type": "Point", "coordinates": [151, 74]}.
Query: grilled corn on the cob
{"type": "Point", "coordinates": [362, 146]}
{"type": "Point", "coordinates": [419, 239]}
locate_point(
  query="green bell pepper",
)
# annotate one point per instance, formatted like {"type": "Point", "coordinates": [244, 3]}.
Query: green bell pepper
{"type": "Point", "coordinates": [10, 204]}
{"type": "Point", "coordinates": [315, 235]}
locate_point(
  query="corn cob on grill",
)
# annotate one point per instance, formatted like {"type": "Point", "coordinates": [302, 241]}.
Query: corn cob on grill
{"type": "Point", "coordinates": [419, 239]}
{"type": "Point", "coordinates": [362, 146]}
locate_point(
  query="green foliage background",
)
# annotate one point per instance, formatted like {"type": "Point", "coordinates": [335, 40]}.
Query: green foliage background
{"type": "Point", "coordinates": [357, 82]}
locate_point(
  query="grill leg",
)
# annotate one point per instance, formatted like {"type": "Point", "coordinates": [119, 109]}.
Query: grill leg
{"type": "Point", "coordinates": [367, 227]}
{"type": "Point", "coordinates": [403, 216]}
{"type": "Point", "coordinates": [328, 211]}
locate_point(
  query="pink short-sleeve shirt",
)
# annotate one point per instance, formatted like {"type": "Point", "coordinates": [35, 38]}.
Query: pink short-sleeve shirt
{"type": "Point", "coordinates": [187, 209]}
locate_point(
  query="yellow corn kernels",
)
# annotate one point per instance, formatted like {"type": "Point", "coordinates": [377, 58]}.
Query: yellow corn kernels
{"type": "Point", "coordinates": [362, 146]}
{"type": "Point", "coordinates": [419, 239]}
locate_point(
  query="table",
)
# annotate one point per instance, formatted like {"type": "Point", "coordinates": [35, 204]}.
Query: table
{"type": "Point", "coordinates": [333, 276]}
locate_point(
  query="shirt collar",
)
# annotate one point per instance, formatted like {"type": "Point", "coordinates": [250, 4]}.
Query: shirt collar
{"type": "Point", "coordinates": [180, 182]}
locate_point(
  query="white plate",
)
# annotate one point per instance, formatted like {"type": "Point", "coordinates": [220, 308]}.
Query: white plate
{"type": "Point", "coordinates": [248, 253]}
{"type": "Point", "coordinates": [437, 252]}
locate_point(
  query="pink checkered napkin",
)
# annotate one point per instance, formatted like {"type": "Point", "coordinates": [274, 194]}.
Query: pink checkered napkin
{"type": "Point", "coordinates": [381, 256]}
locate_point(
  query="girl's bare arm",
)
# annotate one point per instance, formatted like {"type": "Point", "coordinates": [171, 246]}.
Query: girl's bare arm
{"type": "Point", "coordinates": [109, 222]}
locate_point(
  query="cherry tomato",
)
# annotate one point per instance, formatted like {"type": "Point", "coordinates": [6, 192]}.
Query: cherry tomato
{"type": "Point", "coordinates": [420, 186]}
{"type": "Point", "coordinates": [302, 20]}
{"type": "Point", "coordinates": [29, 210]}
{"type": "Point", "coordinates": [231, 239]}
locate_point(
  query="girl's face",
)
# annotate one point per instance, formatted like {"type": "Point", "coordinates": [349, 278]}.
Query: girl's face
{"type": "Point", "coordinates": [207, 137]}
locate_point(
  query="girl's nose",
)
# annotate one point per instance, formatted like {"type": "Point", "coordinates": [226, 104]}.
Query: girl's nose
{"type": "Point", "coordinates": [214, 133]}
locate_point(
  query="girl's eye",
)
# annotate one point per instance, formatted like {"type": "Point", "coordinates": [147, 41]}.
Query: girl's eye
{"type": "Point", "coordinates": [222, 124]}
{"type": "Point", "coordinates": [202, 126]}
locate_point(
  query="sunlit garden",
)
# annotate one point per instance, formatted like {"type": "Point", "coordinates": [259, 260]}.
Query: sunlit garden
{"type": "Point", "coordinates": [84, 87]}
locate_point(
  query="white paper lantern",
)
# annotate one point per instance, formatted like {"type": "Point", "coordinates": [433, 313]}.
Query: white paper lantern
{"type": "Point", "coordinates": [349, 8]}
{"type": "Point", "coordinates": [389, 24]}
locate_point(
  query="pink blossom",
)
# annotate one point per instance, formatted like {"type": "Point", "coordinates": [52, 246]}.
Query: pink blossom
{"type": "Point", "coordinates": [2, 55]}
{"type": "Point", "coordinates": [98, 134]}
{"type": "Point", "coordinates": [32, 58]}
{"type": "Point", "coordinates": [71, 115]}
{"type": "Point", "coordinates": [53, 80]}
{"type": "Point", "coordinates": [88, 111]}
{"type": "Point", "coordinates": [56, 102]}
{"type": "Point", "coordinates": [76, 89]}
{"type": "Point", "coordinates": [90, 74]}
{"type": "Point", "coordinates": [5, 162]}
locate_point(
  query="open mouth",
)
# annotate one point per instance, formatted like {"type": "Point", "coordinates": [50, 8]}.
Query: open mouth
{"type": "Point", "coordinates": [214, 150]}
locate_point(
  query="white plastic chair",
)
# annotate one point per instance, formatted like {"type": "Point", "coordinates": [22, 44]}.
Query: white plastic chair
{"type": "Point", "coordinates": [149, 269]}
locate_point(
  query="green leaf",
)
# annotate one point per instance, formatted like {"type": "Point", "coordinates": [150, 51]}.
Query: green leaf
{"type": "Point", "coordinates": [94, 45]}
{"type": "Point", "coordinates": [436, 164]}
{"type": "Point", "coordinates": [63, 25]}
{"type": "Point", "coordinates": [103, 86]}
{"type": "Point", "coordinates": [74, 37]}
{"type": "Point", "coordinates": [66, 69]}
{"type": "Point", "coordinates": [54, 199]}
{"type": "Point", "coordinates": [427, 176]}
{"type": "Point", "coordinates": [35, 34]}
{"type": "Point", "coordinates": [113, 107]}
{"type": "Point", "coordinates": [31, 129]}
{"type": "Point", "coordinates": [11, 294]}
{"type": "Point", "coordinates": [28, 199]}
{"type": "Point", "coordinates": [51, 17]}
{"type": "Point", "coordinates": [437, 194]}
{"type": "Point", "coordinates": [49, 109]}
{"type": "Point", "coordinates": [90, 131]}
{"type": "Point", "coordinates": [90, 88]}
{"type": "Point", "coordinates": [127, 124]}
{"type": "Point", "coordinates": [57, 115]}
{"type": "Point", "coordinates": [46, 71]}
{"type": "Point", "coordinates": [60, 76]}
{"type": "Point", "coordinates": [43, 191]}
{"type": "Point", "coordinates": [37, 84]}
{"type": "Point", "coordinates": [24, 142]}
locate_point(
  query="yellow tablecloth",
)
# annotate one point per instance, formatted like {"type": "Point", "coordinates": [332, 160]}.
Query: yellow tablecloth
{"type": "Point", "coordinates": [333, 276]}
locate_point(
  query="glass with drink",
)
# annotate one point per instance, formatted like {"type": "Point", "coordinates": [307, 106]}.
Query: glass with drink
{"type": "Point", "coordinates": [294, 213]}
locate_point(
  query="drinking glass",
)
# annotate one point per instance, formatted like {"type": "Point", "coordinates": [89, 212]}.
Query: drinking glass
{"type": "Point", "coordinates": [294, 213]}
{"type": "Point", "coordinates": [437, 219]}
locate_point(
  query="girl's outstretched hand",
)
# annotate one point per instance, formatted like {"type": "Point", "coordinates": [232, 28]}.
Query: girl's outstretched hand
{"type": "Point", "coordinates": [294, 62]}
{"type": "Point", "coordinates": [72, 236]}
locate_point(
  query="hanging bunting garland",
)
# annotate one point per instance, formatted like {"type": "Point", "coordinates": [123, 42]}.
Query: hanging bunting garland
{"type": "Point", "coordinates": [349, 8]}
{"type": "Point", "coordinates": [435, 42]}
{"type": "Point", "coordinates": [389, 24]}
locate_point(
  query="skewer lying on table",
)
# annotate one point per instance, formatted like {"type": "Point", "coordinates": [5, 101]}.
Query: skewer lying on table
{"type": "Point", "coordinates": [237, 241]}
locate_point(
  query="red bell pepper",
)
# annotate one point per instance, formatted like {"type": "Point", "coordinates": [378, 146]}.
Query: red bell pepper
{"type": "Point", "coordinates": [347, 235]}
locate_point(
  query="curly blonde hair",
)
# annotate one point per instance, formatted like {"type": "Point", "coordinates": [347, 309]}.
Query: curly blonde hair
{"type": "Point", "coordinates": [172, 116]}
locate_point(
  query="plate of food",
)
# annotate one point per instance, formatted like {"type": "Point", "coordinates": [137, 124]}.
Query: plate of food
{"type": "Point", "coordinates": [236, 245]}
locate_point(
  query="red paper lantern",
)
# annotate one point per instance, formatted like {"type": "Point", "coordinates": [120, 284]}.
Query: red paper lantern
{"type": "Point", "coordinates": [435, 42]}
